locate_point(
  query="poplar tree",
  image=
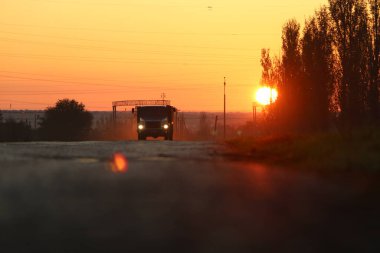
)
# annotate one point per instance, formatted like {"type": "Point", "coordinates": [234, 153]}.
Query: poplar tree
{"type": "Point", "coordinates": [351, 38]}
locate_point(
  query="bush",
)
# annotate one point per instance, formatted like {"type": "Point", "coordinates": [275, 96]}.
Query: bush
{"type": "Point", "coordinates": [67, 121]}
{"type": "Point", "coordinates": [11, 131]}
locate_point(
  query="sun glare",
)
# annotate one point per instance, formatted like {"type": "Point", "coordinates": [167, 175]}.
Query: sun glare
{"type": "Point", "coordinates": [266, 95]}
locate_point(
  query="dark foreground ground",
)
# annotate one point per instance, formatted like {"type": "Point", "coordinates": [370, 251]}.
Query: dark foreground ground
{"type": "Point", "coordinates": [175, 197]}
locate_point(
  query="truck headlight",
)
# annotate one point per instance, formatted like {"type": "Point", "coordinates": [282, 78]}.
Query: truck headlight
{"type": "Point", "coordinates": [141, 127]}
{"type": "Point", "coordinates": [166, 126]}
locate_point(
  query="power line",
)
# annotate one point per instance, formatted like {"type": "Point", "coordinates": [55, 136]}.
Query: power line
{"type": "Point", "coordinates": [84, 59]}
{"type": "Point", "coordinates": [129, 42]}
{"type": "Point", "coordinates": [209, 57]}
{"type": "Point", "coordinates": [136, 87]}
{"type": "Point", "coordinates": [136, 31]}
{"type": "Point", "coordinates": [101, 84]}
{"type": "Point", "coordinates": [25, 102]}
{"type": "Point", "coordinates": [118, 4]}
{"type": "Point", "coordinates": [74, 46]}
{"type": "Point", "coordinates": [119, 81]}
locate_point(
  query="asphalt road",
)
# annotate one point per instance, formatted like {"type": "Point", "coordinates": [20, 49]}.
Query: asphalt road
{"type": "Point", "coordinates": [158, 196]}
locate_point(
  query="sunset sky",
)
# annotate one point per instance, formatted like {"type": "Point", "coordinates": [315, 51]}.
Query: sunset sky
{"type": "Point", "coordinates": [99, 51]}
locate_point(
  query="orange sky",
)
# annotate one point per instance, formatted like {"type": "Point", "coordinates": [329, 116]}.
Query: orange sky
{"type": "Point", "coordinates": [99, 51]}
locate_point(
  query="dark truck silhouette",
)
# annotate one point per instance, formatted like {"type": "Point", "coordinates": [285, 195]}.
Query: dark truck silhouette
{"type": "Point", "coordinates": [155, 121]}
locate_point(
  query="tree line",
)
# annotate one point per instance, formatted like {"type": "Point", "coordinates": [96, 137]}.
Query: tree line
{"type": "Point", "coordinates": [68, 120]}
{"type": "Point", "coordinates": [12, 130]}
{"type": "Point", "coordinates": [328, 71]}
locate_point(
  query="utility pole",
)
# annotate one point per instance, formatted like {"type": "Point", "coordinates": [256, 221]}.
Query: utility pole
{"type": "Point", "coordinates": [216, 125]}
{"type": "Point", "coordinates": [224, 118]}
{"type": "Point", "coordinates": [163, 96]}
{"type": "Point", "coordinates": [254, 119]}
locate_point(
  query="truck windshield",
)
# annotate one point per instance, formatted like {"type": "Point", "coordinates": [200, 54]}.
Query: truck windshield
{"type": "Point", "coordinates": [153, 113]}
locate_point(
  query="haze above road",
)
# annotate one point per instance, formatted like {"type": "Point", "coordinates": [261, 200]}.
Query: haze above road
{"type": "Point", "coordinates": [175, 196]}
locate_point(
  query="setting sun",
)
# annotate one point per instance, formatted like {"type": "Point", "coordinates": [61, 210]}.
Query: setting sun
{"type": "Point", "coordinates": [266, 95]}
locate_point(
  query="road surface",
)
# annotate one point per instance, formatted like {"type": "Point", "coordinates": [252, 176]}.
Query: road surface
{"type": "Point", "coordinates": [174, 197]}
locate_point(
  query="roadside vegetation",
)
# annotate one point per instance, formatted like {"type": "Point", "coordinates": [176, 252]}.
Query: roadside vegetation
{"type": "Point", "coordinates": [11, 130]}
{"type": "Point", "coordinates": [66, 121]}
{"type": "Point", "coordinates": [327, 76]}
{"type": "Point", "coordinates": [328, 72]}
{"type": "Point", "coordinates": [323, 152]}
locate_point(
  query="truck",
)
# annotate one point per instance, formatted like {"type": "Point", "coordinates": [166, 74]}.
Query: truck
{"type": "Point", "coordinates": [155, 121]}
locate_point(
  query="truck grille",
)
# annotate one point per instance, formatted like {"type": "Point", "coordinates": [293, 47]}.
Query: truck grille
{"type": "Point", "coordinates": [153, 124]}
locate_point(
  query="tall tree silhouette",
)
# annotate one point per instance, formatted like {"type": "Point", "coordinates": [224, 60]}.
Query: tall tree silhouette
{"type": "Point", "coordinates": [352, 41]}
{"type": "Point", "coordinates": [267, 65]}
{"type": "Point", "coordinates": [332, 66]}
{"type": "Point", "coordinates": [66, 121]}
{"type": "Point", "coordinates": [271, 76]}
{"type": "Point", "coordinates": [290, 100]}
{"type": "Point", "coordinates": [318, 65]}
{"type": "Point", "coordinates": [373, 95]}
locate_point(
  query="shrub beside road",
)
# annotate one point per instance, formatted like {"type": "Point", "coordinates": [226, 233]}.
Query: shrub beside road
{"type": "Point", "coordinates": [330, 152]}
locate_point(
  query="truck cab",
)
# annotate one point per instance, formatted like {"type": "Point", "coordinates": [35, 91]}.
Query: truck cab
{"type": "Point", "coordinates": [155, 121]}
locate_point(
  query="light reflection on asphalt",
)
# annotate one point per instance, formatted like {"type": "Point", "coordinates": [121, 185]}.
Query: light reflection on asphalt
{"type": "Point", "coordinates": [119, 163]}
